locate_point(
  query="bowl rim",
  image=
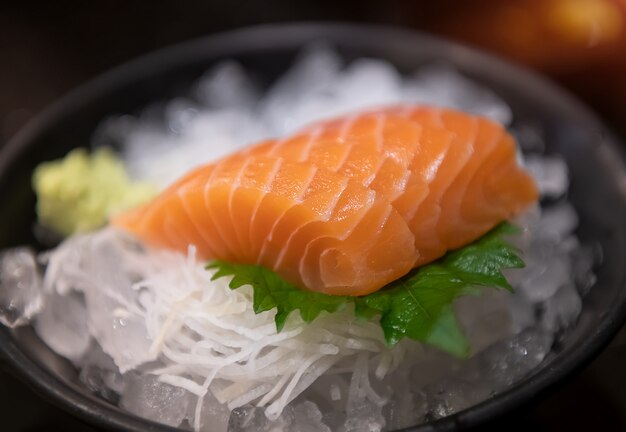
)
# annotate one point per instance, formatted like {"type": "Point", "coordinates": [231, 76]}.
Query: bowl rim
{"type": "Point", "coordinates": [92, 409]}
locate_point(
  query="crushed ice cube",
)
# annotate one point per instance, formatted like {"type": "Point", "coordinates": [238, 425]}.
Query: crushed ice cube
{"type": "Point", "coordinates": [252, 419]}
{"type": "Point", "coordinates": [179, 113]}
{"type": "Point", "coordinates": [367, 82]}
{"type": "Point", "coordinates": [407, 405]}
{"type": "Point", "coordinates": [308, 418]}
{"type": "Point", "coordinates": [228, 109]}
{"type": "Point", "coordinates": [530, 136]}
{"type": "Point", "coordinates": [507, 361]}
{"type": "Point", "coordinates": [363, 412]}
{"type": "Point", "coordinates": [557, 221]}
{"type": "Point", "coordinates": [522, 313]}
{"type": "Point", "coordinates": [584, 260]}
{"type": "Point", "coordinates": [146, 397]}
{"type": "Point", "coordinates": [62, 324]}
{"type": "Point", "coordinates": [226, 86]}
{"type": "Point", "coordinates": [562, 309]}
{"type": "Point", "coordinates": [93, 265]}
{"type": "Point", "coordinates": [100, 374]}
{"type": "Point", "coordinates": [406, 409]}
{"type": "Point", "coordinates": [121, 334]}
{"type": "Point", "coordinates": [551, 174]}
{"type": "Point", "coordinates": [364, 415]}
{"type": "Point", "coordinates": [453, 395]}
{"type": "Point", "coordinates": [20, 287]}
{"type": "Point", "coordinates": [228, 129]}
{"type": "Point", "coordinates": [441, 85]}
{"type": "Point", "coordinates": [547, 269]}
{"type": "Point", "coordinates": [214, 416]}
{"type": "Point", "coordinates": [307, 79]}
{"type": "Point", "coordinates": [487, 317]}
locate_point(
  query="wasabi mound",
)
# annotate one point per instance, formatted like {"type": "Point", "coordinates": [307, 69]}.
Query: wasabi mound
{"type": "Point", "coordinates": [81, 191]}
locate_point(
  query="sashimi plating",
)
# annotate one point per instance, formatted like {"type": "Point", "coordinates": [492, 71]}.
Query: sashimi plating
{"type": "Point", "coordinates": [346, 205]}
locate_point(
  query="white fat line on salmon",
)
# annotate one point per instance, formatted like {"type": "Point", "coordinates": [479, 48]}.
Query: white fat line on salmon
{"type": "Point", "coordinates": [305, 186]}
{"type": "Point", "coordinates": [267, 188]}
{"type": "Point", "coordinates": [404, 110]}
{"type": "Point", "coordinates": [363, 212]}
{"type": "Point", "coordinates": [313, 136]}
{"type": "Point", "coordinates": [381, 121]}
{"type": "Point", "coordinates": [231, 211]}
{"type": "Point", "coordinates": [399, 154]}
{"type": "Point", "coordinates": [433, 168]}
{"type": "Point", "coordinates": [414, 205]}
{"type": "Point", "coordinates": [466, 148]}
{"type": "Point", "coordinates": [325, 216]}
{"type": "Point", "coordinates": [172, 232]}
{"type": "Point", "coordinates": [376, 171]}
{"type": "Point", "coordinates": [278, 143]}
{"type": "Point", "coordinates": [298, 199]}
{"type": "Point", "coordinates": [388, 155]}
{"type": "Point", "coordinates": [365, 209]}
{"type": "Point", "coordinates": [402, 184]}
{"type": "Point", "coordinates": [393, 158]}
{"type": "Point", "coordinates": [347, 149]}
{"type": "Point", "coordinates": [422, 114]}
{"type": "Point", "coordinates": [207, 203]}
{"type": "Point", "coordinates": [332, 203]}
{"type": "Point", "coordinates": [463, 187]}
{"type": "Point", "coordinates": [343, 168]}
{"type": "Point", "coordinates": [197, 224]}
{"type": "Point", "coordinates": [472, 181]}
{"type": "Point", "coordinates": [278, 163]}
{"type": "Point", "coordinates": [346, 127]}
{"type": "Point", "coordinates": [192, 223]}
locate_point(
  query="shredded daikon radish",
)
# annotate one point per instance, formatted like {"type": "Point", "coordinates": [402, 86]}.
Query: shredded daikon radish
{"type": "Point", "coordinates": [198, 331]}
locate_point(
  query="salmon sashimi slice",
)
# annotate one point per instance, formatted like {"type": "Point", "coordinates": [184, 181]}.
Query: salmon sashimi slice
{"type": "Point", "coordinates": [427, 219]}
{"type": "Point", "coordinates": [460, 207]}
{"type": "Point", "coordinates": [293, 197]}
{"type": "Point", "coordinates": [375, 149]}
{"type": "Point", "coordinates": [346, 205]}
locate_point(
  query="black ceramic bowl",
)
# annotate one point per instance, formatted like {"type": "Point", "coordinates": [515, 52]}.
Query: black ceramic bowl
{"type": "Point", "coordinates": [598, 184]}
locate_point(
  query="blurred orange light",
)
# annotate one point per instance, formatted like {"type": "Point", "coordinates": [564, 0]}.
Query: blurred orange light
{"type": "Point", "coordinates": [587, 22]}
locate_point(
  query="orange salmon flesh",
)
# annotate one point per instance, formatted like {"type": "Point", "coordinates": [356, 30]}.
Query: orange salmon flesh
{"type": "Point", "coordinates": [347, 205]}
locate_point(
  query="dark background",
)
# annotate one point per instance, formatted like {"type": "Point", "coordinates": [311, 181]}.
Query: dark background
{"type": "Point", "coordinates": [47, 48]}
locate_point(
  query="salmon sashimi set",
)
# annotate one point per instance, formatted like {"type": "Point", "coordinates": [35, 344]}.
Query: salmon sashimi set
{"type": "Point", "coordinates": [346, 205]}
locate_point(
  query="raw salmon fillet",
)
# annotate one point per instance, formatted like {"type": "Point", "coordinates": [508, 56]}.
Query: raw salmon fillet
{"type": "Point", "coordinates": [347, 205]}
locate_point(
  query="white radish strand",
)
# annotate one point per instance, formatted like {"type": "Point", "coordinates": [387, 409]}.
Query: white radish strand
{"type": "Point", "coordinates": [201, 331]}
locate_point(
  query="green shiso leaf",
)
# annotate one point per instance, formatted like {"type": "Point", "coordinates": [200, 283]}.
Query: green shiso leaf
{"type": "Point", "coordinates": [417, 306]}
{"type": "Point", "coordinates": [271, 291]}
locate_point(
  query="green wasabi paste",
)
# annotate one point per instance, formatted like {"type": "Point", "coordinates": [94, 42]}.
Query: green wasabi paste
{"type": "Point", "coordinates": [81, 191]}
